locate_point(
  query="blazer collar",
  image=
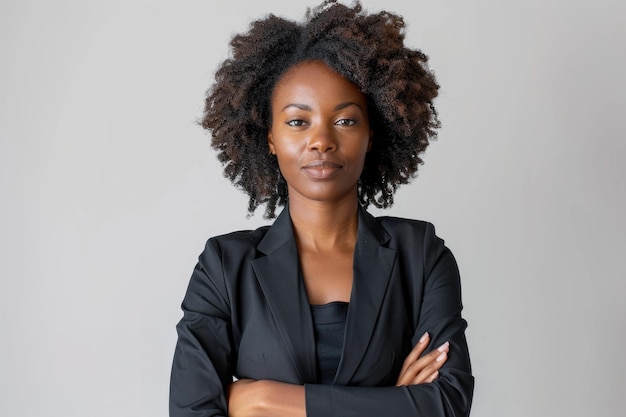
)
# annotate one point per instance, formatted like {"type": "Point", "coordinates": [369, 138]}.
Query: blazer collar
{"type": "Point", "coordinates": [278, 274]}
{"type": "Point", "coordinates": [373, 264]}
{"type": "Point", "coordinates": [280, 233]}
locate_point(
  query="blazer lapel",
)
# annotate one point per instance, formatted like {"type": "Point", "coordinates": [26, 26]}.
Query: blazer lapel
{"type": "Point", "coordinates": [373, 264]}
{"type": "Point", "coordinates": [278, 274]}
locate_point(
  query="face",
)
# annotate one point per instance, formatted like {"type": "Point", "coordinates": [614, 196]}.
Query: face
{"type": "Point", "coordinates": [319, 132]}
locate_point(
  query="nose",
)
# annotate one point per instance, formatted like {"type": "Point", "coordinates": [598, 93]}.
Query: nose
{"type": "Point", "coordinates": [323, 139]}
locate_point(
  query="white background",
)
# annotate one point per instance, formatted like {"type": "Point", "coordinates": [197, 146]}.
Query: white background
{"type": "Point", "coordinates": [109, 190]}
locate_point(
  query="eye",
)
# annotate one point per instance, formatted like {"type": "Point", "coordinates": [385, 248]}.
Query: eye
{"type": "Point", "coordinates": [296, 122]}
{"type": "Point", "coordinates": [345, 122]}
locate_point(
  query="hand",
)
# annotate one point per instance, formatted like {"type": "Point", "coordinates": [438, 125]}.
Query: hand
{"type": "Point", "coordinates": [424, 369]}
{"type": "Point", "coordinates": [251, 398]}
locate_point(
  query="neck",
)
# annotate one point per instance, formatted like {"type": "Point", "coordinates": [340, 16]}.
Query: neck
{"type": "Point", "coordinates": [323, 225]}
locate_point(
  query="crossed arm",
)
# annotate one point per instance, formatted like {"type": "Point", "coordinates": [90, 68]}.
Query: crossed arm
{"type": "Point", "coordinates": [267, 398]}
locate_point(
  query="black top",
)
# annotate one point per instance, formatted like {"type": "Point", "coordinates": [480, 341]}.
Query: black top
{"type": "Point", "coordinates": [329, 322]}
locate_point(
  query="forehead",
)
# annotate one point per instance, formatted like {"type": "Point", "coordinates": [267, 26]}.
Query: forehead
{"type": "Point", "coordinates": [314, 80]}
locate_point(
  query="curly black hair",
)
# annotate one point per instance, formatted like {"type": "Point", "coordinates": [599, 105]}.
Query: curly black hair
{"type": "Point", "coordinates": [368, 50]}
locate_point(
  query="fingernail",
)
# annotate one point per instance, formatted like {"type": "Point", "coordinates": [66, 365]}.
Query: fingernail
{"type": "Point", "coordinates": [441, 357]}
{"type": "Point", "coordinates": [424, 337]}
{"type": "Point", "coordinates": [443, 347]}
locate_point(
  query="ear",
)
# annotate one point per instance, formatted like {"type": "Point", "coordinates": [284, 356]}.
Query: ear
{"type": "Point", "coordinates": [270, 142]}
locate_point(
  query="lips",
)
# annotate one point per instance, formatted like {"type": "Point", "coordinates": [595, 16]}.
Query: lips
{"type": "Point", "coordinates": [321, 169]}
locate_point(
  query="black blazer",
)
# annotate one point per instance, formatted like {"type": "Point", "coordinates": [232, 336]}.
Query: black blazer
{"type": "Point", "coordinates": [246, 314]}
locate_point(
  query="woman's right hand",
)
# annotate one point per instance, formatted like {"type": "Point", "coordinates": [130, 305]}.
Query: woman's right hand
{"type": "Point", "coordinates": [418, 369]}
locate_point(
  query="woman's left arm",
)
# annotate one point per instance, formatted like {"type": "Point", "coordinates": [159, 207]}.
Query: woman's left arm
{"type": "Point", "coordinates": [450, 394]}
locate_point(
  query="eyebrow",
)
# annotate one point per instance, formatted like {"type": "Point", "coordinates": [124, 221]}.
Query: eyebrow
{"type": "Point", "coordinates": [306, 107]}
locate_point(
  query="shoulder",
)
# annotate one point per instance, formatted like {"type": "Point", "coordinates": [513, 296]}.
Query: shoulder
{"type": "Point", "coordinates": [419, 248]}
{"type": "Point", "coordinates": [240, 241]}
{"type": "Point", "coordinates": [403, 228]}
{"type": "Point", "coordinates": [224, 256]}
{"type": "Point", "coordinates": [218, 264]}
{"type": "Point", "coordinates": [402, 224]}
{"type": "Point", "coordinates": [410, 237]}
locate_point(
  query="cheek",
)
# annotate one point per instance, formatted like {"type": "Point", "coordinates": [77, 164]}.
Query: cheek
{"type": "Point", "coordinates": [364, 147]}
{"type": "Point", "coordinates": [288, 149]}
{"type": "Point", "coordinates": [287, 156]}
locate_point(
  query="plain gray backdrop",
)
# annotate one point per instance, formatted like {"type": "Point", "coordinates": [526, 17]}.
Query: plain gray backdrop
{"type": "Point", "coordinates": [109, 190]}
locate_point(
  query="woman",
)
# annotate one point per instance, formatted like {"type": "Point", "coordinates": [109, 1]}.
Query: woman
{"type": "Point", "coordinates": [329, 311]}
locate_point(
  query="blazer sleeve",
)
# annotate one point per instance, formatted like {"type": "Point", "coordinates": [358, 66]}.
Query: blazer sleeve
{"type": "Point", "coordinates": [203, 356]}
{"type": "Point", "coordinates": [450, 395]}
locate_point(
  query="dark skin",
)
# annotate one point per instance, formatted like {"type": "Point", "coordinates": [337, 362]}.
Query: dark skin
{"type": "Point", "coordinates": [320, 134]}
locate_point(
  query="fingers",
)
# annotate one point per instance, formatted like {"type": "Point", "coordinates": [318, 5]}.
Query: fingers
{"type": "Point", "coordinates": [405, 376]}
{"type": "Point", "coordinates": [415, 353]}
{"type": "Point", "coordinates": [432, 377]}
{"type": "Point", "coordinates": [418, 370]}
{"type": "Point", "coordinates": [422, 371]}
